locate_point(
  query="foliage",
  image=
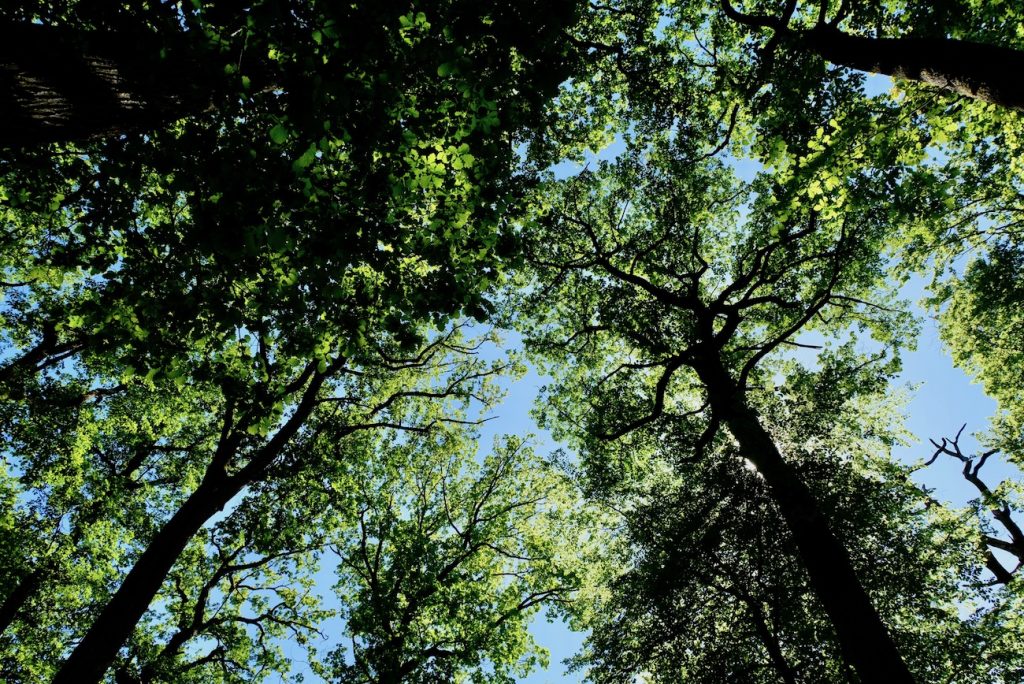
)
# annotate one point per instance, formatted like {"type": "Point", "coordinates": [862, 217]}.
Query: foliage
{"type": "Point", "coordinates": [281, 266]}
{"type": "Point", "coordinates": [711, 587]}
{"type": "Point", "coordinates": [90, 481]}
{"type": "Point", "coordinates": [233, 355]}
{"type": "Point", "coordinates": [450, 559]}
{"type": "Point", "coordinates": [983, 326]}
{"type": "Point", "coordinates": [756, 208]}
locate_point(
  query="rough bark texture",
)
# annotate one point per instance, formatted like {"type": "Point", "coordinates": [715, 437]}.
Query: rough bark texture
{"type": "Point", "coordinates": [62, 84]}
{"type": "Point", "coordinates": [983, 72]}
{"type": "Point", "coordinates": [863, 638]}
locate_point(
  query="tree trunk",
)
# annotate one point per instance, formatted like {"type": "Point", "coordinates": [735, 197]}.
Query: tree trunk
{"type": "Point", "coordinates": [61, 84]}
{"type": "Point", "coordinates": [94, 654]}
{"type": "Point", "coordinates": [26, 588]}
{"type": "Point", "coordinates": [769, 641]}
{"type": "Point", "coordinates": [863, 638]}
{"type": "Point", "coordinates": [983, 72]}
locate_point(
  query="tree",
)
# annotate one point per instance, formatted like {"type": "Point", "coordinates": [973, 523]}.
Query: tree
{"type": "Point", "coordinates": [934, 43]}
{"type": "Point", "coordinates": [229, 611]}
{"type": "Point", "coordinates": [995, 503]}
{"type": "Point", "coordinates": [88, 478]}
{"type": "Point", "coordinates": [252, 447]}
{"type": "Point", "coordinates": [655, 274]}
{"type": "Point", "coordinates": [233, 258]}
{"type": "Point", "coordinates": [82, 70]}
{"type": "Point", "coordinates": [450, 558]}
{"type": "Point", "coordinates": [162, 261]}
{"type": "Point", "coordinates": [709, 587]}
{"type": "Point", "coordinates": [128, 490]}
{"type": "Point", "coordinates": [984, 329]}
{"type": "Point", "coordinates": [654, 286]}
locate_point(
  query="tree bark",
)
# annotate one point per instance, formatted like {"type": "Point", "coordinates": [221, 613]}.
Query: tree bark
{"type": "Point", "coordinates": [988, 73]}
{"type": "Point", "coordinates": [864, 640]}
{"type": "Point", "coordinates": [62, 84]}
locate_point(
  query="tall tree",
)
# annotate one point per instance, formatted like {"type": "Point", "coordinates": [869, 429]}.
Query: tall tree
{"type": "Point", "coordinates": [90, 477]}
{"type": "Point", "coordinates": [686, 92]}
{"type": "Point", "coordinates": [82, 70]}
{"type": "Point", "coordinates": [287, 252]}
{"type": "Point", "coordinates": [228, 613]}
{"type": "Point", "coordinates": [709, 586]}
{"type": "Point", "coordinates": [254, 445]}
{"type": "Point", "coordinates": [656, 285]}
{"type": "Point", "coordinates": [450, 559]}
{"type": "Point", "coordinates": [983, 325]}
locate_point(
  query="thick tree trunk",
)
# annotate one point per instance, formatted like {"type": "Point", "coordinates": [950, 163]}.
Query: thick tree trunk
{"type": "Point", "coordinates": [94, 654]}
{"type": "Point", "coordinates": [983, 72]}
{"type": "Point", "coordinates": [1002, 575]}
{"type": "Point", "coordinates": [60, 84]}
{"type": "Point", "coordinates": [863, 638]}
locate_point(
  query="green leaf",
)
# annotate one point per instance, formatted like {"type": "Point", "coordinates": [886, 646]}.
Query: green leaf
{"type": "Point", "coordinates": [307, 158]}
{"type": "Point", "coordinates": [279, 134]}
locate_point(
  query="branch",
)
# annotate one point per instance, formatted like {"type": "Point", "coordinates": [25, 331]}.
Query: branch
{"type": "Point", "coordinates": [671, 366]}
{"type": "Point", "coordinates": [760, 20]}
{"type": "Point", "coordinates": [1002, 513]}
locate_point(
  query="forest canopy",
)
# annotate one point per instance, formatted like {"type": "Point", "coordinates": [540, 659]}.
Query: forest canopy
{"type": "Point", "coordinates": [270, 267]}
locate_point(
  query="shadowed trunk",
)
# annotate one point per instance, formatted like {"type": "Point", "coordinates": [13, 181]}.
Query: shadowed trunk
{"type": "Point", "coordinates": [983, 72]}
{"type": "Point", "coordinates": [19, 597]}
{"type": "Point", "coordinates": [62, 84]}
{"type": "Point", "coordinates": [769, 641]}
{"type": "Point", "coordinates": [94, 654]}
{"type": "Point", "coordinates": [864, 640]}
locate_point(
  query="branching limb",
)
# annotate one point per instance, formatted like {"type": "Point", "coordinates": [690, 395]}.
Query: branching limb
{"type": "Point", "coordinates": [1001, 512]}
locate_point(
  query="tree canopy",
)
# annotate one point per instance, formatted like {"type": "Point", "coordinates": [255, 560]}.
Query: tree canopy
{"type": "Point", "coordinates": [253, 259]}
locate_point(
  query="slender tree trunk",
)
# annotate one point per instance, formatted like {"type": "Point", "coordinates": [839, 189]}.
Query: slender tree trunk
{"type": "Point", "coordinates": [983, 72]}
{"type": "Point", "coordinates": [94, 654]}
{"type": "Point", "coordinates": [16, 599]}
{"type": "Point", "coordinates": [768, 640]}
{"type": "Point", "coordinates": [39, 356]}
{"type": "Point", "coordinates": [30, 583]}
{"type": "Point", "coordinates": [863, 638]}
{"type": "Point", "coordinates": [60, 84]}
